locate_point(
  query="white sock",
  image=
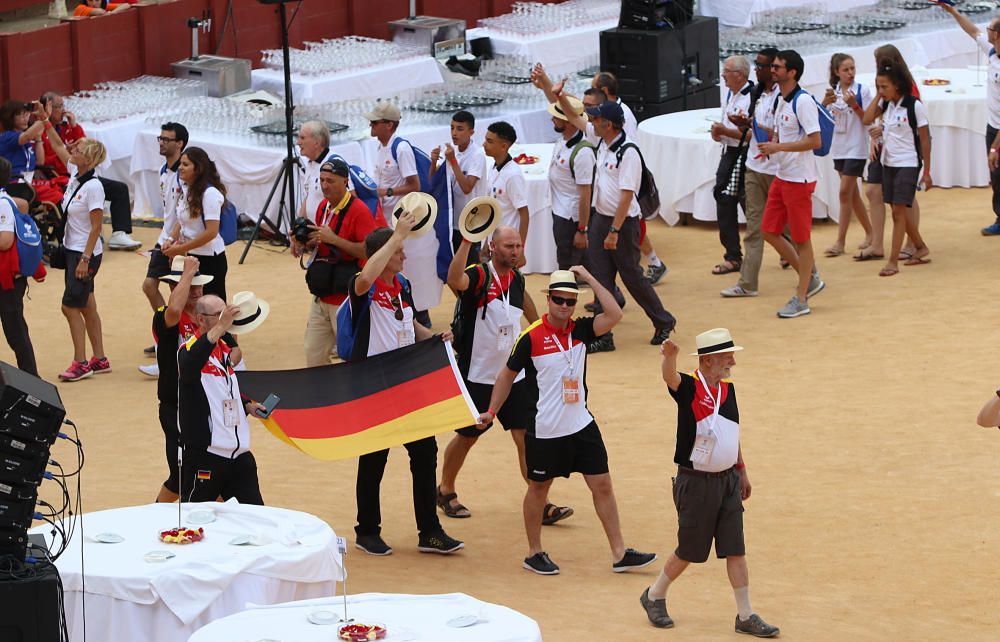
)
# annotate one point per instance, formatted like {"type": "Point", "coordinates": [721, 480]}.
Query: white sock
{"type": "Point", "coordinates": [743, 602]}
{"type": "Point", "coordinates": [653, 259]}
{"type": "Point", "coordinates": [658, 589]}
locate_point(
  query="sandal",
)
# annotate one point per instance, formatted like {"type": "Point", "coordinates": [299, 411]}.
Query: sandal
{"type": "Point", "coordinates": [455, 510]}
{"type": "Point", "coordinates": [553, 514]}
{"type": "Point", "coordinates": [833, 251]}
{"type": "Point", "coordinates": [862, 256]}
{"type": "Point", "coordinates": [726, 267]}
{"type": "Point", "coordinates": [784, 264]}
{"type": "Point", "coordinates": [888, 271]}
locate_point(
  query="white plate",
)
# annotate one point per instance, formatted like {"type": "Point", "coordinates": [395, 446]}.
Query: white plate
{"type": "Point", "coordinates": [157, 556]}
{"type": "Point", "coordinates": [463, 621]}
{"type": "Point", "coordinates": [201, 516]}
{"type": "Point", "coordinates": [322, 617]}
{"type": "Point", "coordinates": [109, 538]}
{"type": "Point", "coordinates": [240, 540]}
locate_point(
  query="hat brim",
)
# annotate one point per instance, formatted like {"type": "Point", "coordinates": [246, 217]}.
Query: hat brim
{"type": "Point", "coordinates": [470, 224]}
{"type": "Point", "coordinates": [265, 310]}
{"type": "Point", "coordinates": [425, 211]}
{"type": "Point", "coordinates": [561, 289]}
{"type": "Point", "coordinates": [200, 279]}
{"type": "Point", "coordinates": [554, 110]}
{"type": "Point", "coordinates": [593, 111]}
{"type": "Point", "coordinates": [720, 351]}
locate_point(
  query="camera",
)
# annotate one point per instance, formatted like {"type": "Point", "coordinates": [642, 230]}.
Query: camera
{"type": "Point", "coordinates": [301, 229]}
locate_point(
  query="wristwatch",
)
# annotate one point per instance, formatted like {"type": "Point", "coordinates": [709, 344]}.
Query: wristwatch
{"type": "Point", "coordinates": [582, 230]}
{"type": "Point", "coordinates": [614, 230]}
{"type": "Point", "coordinates": [388, 192]}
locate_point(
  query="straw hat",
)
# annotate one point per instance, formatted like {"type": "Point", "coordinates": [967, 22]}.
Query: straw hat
{"type": "Point", "coordinates": [556, 109]}
{"type": "Point", "coordinates": [715, 341]}
{"type": "Point", "coordinates": [563, 281]}
{"type": "Point", "coordinates": [253, 312]}
{"type": "Point", "coordinates": [424, 209]}
{"type": "Point", "coordinates": [177, 269]}
{"type": "Point", "coordinates": [479, 218]}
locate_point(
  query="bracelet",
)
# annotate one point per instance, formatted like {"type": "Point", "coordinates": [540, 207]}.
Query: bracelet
{"type": "Point", "coordinates": [740, 466]}
{"type": "Point", "coordinates": [581, 230]}
{"type": "Point", "coordinates": [388, 192]}
{"type": "Point", "coordinates": [84, 258]}
{"type": "Point", "coordinates": [454, 162]}
{"type": "Point", "coordinates": [490, 412]}
{"type": "Point", "coordinates": [993, 150]}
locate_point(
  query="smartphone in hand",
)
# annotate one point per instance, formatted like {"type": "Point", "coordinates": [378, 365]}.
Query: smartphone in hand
{"type": "Point", "coordinates": [269, 405]}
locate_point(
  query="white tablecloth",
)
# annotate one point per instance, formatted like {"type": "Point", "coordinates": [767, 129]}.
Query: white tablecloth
{"type": "Point", "coordinates": [128, 598]}
{"type": "Point", "coordinates": [739, 13]}
{"type": "Point", "coordinates": [406, 617]}
{"type": "Point", "coordinates": [388, 78]}
{"type": "Point", "coordinates": [540, 251]}
{"type": "Point", "coordinates": [683, 157]}
{"type": "Point", "coordinates": [554, 50]}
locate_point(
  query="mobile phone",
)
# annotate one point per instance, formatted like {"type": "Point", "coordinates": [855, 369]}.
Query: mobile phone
{"type": "Point", "coordinates": [269, 405]}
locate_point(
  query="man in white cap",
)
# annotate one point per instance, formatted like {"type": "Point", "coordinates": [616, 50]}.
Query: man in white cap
{"type": "Point", "coordinates": [571, 179]}
{"type": "Point", "coordinates": [711, 482]}
{"type": "Point", "coordinates": [211, 412]}
{"type": "Point", "coordinates": [562, 436]}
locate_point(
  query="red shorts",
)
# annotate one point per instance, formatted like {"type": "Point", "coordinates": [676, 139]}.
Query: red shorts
{"type": "Point", "coordinates": [789, 204]}
{"type": "Point", "coordinates": [642, 230]}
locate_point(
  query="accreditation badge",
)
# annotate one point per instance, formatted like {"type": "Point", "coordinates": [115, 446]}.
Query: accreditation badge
{"type": "Point", "coordinates": [570, 389]}
{"type": "Point", "coordinates": [703, 447]}
{"type": "Point", "coordinates": [230, 413]}
{"type": "Point", "coordinates": [405, 336]}
{"type": "Point", "coordinates": [505, 337]}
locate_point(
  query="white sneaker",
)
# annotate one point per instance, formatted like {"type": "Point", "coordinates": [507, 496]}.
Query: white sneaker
{"type": "Point", "coordinates": [122, 241]}
{"type": "Point", "coordinates": [737, 291]}
{"type": "Point", "coordinates": [152, 370]}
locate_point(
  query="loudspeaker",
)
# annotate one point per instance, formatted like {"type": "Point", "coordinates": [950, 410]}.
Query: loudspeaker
{"type": "Point", "coordinates": [694, 100]}
{"type": "Point", "coordinates": [655, 14]}
{"type": "Point", "coordinates": [30, 408]}
{"type": "Point", "coordinates": [30, 601]}
{"type": "Point", "coordinates": [656, 66]}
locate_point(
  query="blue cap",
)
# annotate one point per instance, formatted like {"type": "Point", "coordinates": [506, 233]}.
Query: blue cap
{"type": "Point", "coordinates": [609, 110]}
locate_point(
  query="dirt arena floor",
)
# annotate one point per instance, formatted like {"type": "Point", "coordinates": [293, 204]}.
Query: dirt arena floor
{"type": "Point", "coordinates": [875, 512]}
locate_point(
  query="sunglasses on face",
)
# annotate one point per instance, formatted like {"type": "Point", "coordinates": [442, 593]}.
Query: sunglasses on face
{"type": "Point", "coordinates": [559, 300]}
{"type": "Point", "coordinates": [397, 308]}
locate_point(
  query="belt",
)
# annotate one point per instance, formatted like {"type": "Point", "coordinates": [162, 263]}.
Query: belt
{"type": "Point", "coordinates": [683, 470]}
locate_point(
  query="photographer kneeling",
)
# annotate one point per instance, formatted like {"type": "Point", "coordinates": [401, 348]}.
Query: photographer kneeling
{"type": "Point", "coordinates": [337, 246]}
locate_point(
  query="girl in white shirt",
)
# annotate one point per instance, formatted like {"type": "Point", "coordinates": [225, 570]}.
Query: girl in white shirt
{"type": "Point", "coordinates": [846, 101]}
{"type": "Point", "coordinates": [199, 210]}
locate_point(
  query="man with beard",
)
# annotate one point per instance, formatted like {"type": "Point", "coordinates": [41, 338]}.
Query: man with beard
{"type": "Point", "coordinates": [571, 178]}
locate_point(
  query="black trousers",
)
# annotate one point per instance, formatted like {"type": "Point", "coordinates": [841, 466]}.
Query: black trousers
{"type": "Point", "coordinates": [563, 231]}
{"type": "Point", "coordinates": [423, 469]}
{"type": "Point", "coordinates": [726, 206]}
{"type": "Point", "coordinates": [221, 477]}
{"type": "Point", "coordinates": [217, 266]}
{"type": "Point", "coordinates": [171, 438]}
{"type": "Point", "coordinates": [624, 261]}
{"type": "Point", "coordinates": [991, 134]}
{"type": "Point", "coordinates": [116, 192]}
{"type": "Point", "coordinates": [15, 328]}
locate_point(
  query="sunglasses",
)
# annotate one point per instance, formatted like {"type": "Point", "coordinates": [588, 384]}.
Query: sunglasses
{"type": "Point", "coordinates": [166, 140]}
{"type": "Point", "coordinates": [397, 308]}
{"type": "Point", "coordinates": [559, 300]}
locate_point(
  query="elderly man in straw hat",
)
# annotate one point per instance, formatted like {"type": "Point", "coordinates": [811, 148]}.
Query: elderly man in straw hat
{"type": "Point", "coordinates": [711, 481]}
{"type": "Point", "coordinates": [562, 436]}
{"type": "Point", "coordinates": [211, 413]}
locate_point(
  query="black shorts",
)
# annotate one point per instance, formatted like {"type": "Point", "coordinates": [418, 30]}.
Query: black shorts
{"type": "Point", "coordinates": [77, 292]}
{"type": "Point", "coordinates": [850, 166]}
{"type": "Point", "coordinates": [159, 264]}
{"type": "Point", "coordinates": [206, 477]}
{"type": "Point", "coordinates": [708, 508]}
{"type": "Point", "coordinates": [171, 436]}
{"type": "Point", "coordinates": [514, 413]}
{"type": "Point", "coordinates": [874, 172]}
{"type": "Point", "coordinates": [582, 452]}
{"type": "Point", "coordinates": [899, 185]}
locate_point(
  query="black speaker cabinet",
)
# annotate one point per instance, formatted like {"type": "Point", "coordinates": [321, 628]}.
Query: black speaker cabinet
{"type": "Point", "coordinates": [661, 65]}
{"type": "Point", "coordinates": [655, 14]}
{"type": "Point", "coordinates": [30, 605]}
{"type": "Point", "coordinates": [30, 408]}
{"type": "Point", "coordinates": [702, 99]}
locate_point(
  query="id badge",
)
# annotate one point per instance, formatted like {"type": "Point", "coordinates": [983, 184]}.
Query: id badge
{"type": "Point", "coordinates": [405, 337]}
{"type": "Point", "coordinates": [230, 413]}
{"type": "Point", "coordinates": [840, 123]}
{"type": "Point", "coordinates": [570, 389]}
{"type": "Point", "coordinates": [505, 337]}
{"type": "Point", "coordinates": [703, 447]}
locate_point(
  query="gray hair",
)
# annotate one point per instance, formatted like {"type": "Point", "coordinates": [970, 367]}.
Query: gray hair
{"type": "Point", "coordinates": [206, 305]}
{"type": "Point", "coordinates": [318, 130]}
{"type": "Point", "coordinates": [740, 64]}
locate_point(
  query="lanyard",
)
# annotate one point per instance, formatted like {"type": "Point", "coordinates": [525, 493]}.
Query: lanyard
{"type": "Point", "coordinates": [716, 401]}
{"type": "Point", "coordinates": [504, 300]}
{"type": "Point", "coordinates": [564, 353]}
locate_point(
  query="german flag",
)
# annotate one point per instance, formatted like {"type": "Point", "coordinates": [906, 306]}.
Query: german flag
{"type": "Point", "coordinates": [350, 409]}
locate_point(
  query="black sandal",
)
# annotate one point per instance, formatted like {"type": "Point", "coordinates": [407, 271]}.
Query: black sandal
{"type": "Point", "coordinates": [555, 513]}
{"type": "Point", "coordinates": [455, 510]}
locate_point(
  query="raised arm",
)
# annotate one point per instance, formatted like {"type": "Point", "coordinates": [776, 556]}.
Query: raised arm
{"type": "Point", "coordinates": [963, 22]}
{"type": "Point", "coordinates": [668, 367]}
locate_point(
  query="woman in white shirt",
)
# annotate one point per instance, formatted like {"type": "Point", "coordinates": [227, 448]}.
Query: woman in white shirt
{"type": "Point", "coordinates": [199, 210]}
{"type": "Point", "coordinates": [83, 206]}
{"type": "Point", "coordinates": [906, 147]}
{"type": "Point", "coordinates": [846, 102]}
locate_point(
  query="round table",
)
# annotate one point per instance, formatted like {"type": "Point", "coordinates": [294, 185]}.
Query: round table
{"type": "Point", "coordinates": [128, 598]}
{"type": "Point", "coordinates": [406, 617]}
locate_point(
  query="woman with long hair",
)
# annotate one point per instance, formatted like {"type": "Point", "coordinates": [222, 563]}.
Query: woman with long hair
{"type": "Point", "coordinates": [199, 210]}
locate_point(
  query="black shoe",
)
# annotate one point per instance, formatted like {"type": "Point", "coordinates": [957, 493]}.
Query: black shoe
{"type": "Point", "coordinates": [594, 307]}
{"type": "Point", "coordinates": [656, 611]}
{"type": "Point", "coordinates": [439, 542]}
{"type": "Point", "coordinates": [372, 544]}
{"type": "Point", "coordinates": [619, 297]}
{"type": "Point", "coordinates": [756, 627]}
{"type": "Point", "coordinates": [604, 343]}
{"type": "Point", "coordinates": [633, 559]}
{"type": "Point", "coordinates": [151, 350]}
{"type": "Point", "coordinates": [660, 336]}
{"type": "Point", "coordinates": [541, 564]}
{"type": "Point", "coordinates": [655, 272]}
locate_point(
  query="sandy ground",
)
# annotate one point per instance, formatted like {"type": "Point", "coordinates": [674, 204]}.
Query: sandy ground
{"type": "Point", "coordinates": [875, 505]}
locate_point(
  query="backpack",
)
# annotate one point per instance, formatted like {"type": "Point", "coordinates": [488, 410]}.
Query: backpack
{"type": "Point", "coordinates": [228, 222]}
{"type": "Point", "coordinates": [910, 102]}
{"type": "Point", "coordinates": [347, 324]}
{"type": "Point", "coordinates": [439, 188]}
{"type": "Point", "coordinates": [27, 241]}
{"type": "Point", "coordinates": [365, 188]}
{"type": "Point", "coordinates": [649, 195]}
{"type": "Point", "coordinates": [826, 123]}
{"type": "Point", "coordinates": [584, 143]}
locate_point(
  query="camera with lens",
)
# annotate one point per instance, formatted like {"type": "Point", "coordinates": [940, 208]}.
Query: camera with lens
{"type": "Point", "coordinates": [301, 229]}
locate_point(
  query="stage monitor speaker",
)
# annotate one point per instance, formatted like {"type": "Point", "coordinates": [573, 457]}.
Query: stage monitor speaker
{"type": "Point", "coordinates": [655, 14]}
{"type": "Point", "coordinates": [30, 408]}
{"type": "Point", "coordinates": [30, 600]}
{"type": "Point", "coordinates": [661, 65]}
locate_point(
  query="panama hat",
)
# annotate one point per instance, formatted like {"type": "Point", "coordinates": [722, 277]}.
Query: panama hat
{"type": "Point", "coordinates": [575, 103]}
{"type": "Point", "coordinates": [479, 218]}
{"type": "Point", "coordinates": [715, 341]}
{"type": "Point", "coordinates": [424, 208]}
{"type": "Point", "coordinates": [253, 312]}
{"type": "Point", "coordinates": [177, 270]}
{"type": "Point", "coordinates": [563, 281]}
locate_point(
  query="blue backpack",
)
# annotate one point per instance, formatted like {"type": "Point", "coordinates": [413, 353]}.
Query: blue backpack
{"type": "Point", "coordinates": [229, 220]}
{"type": "Point", "coordinates": [347, 324]}
{"type": "Point", "coordinates": [440, 190]}
{"type": "Point", "coordinates": [364, 186]}
{"type": "Point", "coordinates": [826, 123]}
{"type": "Point", "coordinates": [27, 239]}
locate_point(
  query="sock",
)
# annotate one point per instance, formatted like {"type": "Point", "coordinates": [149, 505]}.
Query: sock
{"type": "Point", "coordinates": [653, 259]}
{"type": "Point", "coordinates": [658, 589]}
{"type": "Point", "coordinates": [743, 602]}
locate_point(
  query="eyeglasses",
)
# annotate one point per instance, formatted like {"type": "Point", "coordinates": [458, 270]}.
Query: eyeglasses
{"type": "Point", "coordinates": [774, 66]}
{"type": "Point", "coordinates": [558, 300]}
{"type": "Point", "coordinates": [166, 140]}
{"type": "Point", "coordinates": [397, 308]}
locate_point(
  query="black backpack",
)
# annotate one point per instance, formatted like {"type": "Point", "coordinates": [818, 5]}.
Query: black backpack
{"type": "Point", "coordinates": [649, 195]}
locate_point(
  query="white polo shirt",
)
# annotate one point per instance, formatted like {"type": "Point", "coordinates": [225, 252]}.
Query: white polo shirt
{"type": "Point", "coordinates": [612, 179]}
{"type": "Point", "coordinates": [850, 135]}
{"type": "Point", "coordinates": [563, 187]}
{"type": "Point", "coordinates": [591, 135]}
{"type": "Point", "coordinates": [764, 116]}
{"type": "Point", "coordinates": [170, 192]}
{"type": "Point", "coordinates": [993, 83]}
{"type": "Point", "coordinates": [507, 186]}
{"type": "Point", "coordinates": [88, 198]}
{"type": "Point", "coordinates": [736, 103]}
{"type": "Point", "coordinates": [631, 126]}
{"type": "Point", "coordinates": [899, 148]}
{"type": "Point", "coordinates": [211, 204]}
{"type": "Point", "coordinates": [391, 172]}
{"type": "Point", "coordinates": [796, 120]}
{"type": "Point", "coordinates": [472, 163]}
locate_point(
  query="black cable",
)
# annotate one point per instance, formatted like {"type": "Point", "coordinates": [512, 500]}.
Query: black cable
{"type": "Point", "coordinates": [295, 14]}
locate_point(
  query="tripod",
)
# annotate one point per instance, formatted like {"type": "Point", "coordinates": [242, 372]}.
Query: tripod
{"type": "Point", "coordinates": [285, 180]}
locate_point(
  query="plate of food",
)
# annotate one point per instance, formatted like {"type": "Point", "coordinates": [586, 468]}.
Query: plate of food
{"type": "Point", "coordinates": [936, 82]}
{"type": "Point", "coordinates": [182, 535]}
{"type": "Point", "coordinates": [526, 159]}
{"type": "Point", "coordinates": [360, 632]}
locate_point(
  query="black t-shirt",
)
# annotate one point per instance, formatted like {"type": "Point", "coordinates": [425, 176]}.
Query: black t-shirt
{"type": "Point", "coordinates": [168, 340]}
{"type": "Point", "coordinates": [694, 408]}
{"type": "Point", "coordinates": [480, 355]}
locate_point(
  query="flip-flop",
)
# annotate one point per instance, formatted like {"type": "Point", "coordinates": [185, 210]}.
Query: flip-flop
{"type": "Point", "coordinates": [553, 514]}
{"type": "Point", "coordinates": [455, 510]}
{"type": "Point", "coordinates": [888, 271]}
{"type": "Point", "coordinates": [832, 252]}
{"type": "Point", "coordinates": [917, 260]}
{"type": "Point", "coordinates": [904, 255]}
{"type": "Point", "coordinates": [861, 256]}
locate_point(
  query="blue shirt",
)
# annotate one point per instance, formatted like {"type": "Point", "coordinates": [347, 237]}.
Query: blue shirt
{"type": "Point", "coordinates": [21, 157]}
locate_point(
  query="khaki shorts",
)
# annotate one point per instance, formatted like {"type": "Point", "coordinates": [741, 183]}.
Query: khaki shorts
{"type": "Point", "coordinates": [708, 508]}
